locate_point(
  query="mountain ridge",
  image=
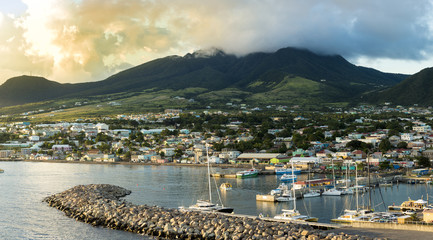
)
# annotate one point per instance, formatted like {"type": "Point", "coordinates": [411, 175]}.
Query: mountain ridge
{"type": "Point", "coordinates": [334, 78]}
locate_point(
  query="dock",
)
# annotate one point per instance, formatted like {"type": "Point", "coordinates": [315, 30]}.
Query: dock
{"type": "Point", "coordinates": [265, 198]}
{"type": "Point", "coordinates": [233, 175]}
{"type": "Point", "coordinates": [316, 225]}
{"type": "Point", "coordinates": [221, 175]}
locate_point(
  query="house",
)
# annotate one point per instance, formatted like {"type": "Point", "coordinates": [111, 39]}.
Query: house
{"type": "Point", "coordinates": [258, 157]}
{"type": "Point", "coordinates": [6, 153]}
{"type": "Point", "coordinates": [102, 127]}
{"type": "Point", "coordinates": [358, 154]}
{"type": "Point", "coordinates": [422, 128]}
{"type": "Point", "coordinates": [61, 147]}
{"type": "Point", "coordinates": [121, 132]}
{"type": "Point", "coordinates": [325, 153]}
{"type": "Point", "coordinates": [306, 160]}
{"type": "Point", "coordinates": [229, 154]}
{"type": "Point", "coordinates": [34, 138]}
{"type": "Point", "coordinates": [168, 152]}
{"type": "Point", "coordinates": [343, 154]}
{"type": "Point", "coordinates": [428, 153]}
{"type": "Point", "coordinates": [100, 158]}
{"type": "Point", "coordinates": [416, 145]}
{"type": "Point", "coordinates": [375, 159]}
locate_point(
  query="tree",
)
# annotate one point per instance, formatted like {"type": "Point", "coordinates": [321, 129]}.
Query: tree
{"type": "Point", "coordinates": [178, 153]}
{"type": "Point", "coordinates": [354, 144]}
{"type": "Point", "coordinates": [127, 156]}
{"type": "Point", "coordinates": [423, 161]}
{"type": "Point", "coordinates": [402, 145]}
{"type": "Point", "coordinates": [385, 165]}
{"type": "Point", "coordinates": [104, 147]}
{"type": "Point", "coordinates": [385, 145]}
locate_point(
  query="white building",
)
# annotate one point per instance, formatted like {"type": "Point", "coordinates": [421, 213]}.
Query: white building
{"type": "Point", "coordinates": [422, 128]}
{"type": "Point", "coordinates": [406, 137]}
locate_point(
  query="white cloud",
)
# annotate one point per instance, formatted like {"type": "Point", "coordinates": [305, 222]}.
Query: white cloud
{"type": "Point", "coordinates": [75, 41]}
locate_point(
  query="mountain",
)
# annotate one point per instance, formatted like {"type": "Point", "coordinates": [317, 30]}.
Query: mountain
{"type": "Point", "coordinates": [287, 76]}
{"type": "Point", "coordinates": [26, 89]}
{"type": "Point", "coordinates": [416, 89]}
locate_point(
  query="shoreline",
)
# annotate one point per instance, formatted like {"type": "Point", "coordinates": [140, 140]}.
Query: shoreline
{"type": "Point", "coordinates": [132, 163]}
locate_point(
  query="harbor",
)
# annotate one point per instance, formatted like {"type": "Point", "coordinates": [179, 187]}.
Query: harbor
{"type": "Point", "coordinates": [172, 187]}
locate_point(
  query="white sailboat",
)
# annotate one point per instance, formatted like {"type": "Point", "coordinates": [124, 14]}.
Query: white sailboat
{"type": "Point", "coordinates": [347, 190]}
{"type": "Point", "coordinates": [208, 205]}
{"type": "Point", "coordinates": [310, 193]}
{"type": "Point", "coordinates": [332, 191]}
{"type": "Point", "coordinates": [293, 214]}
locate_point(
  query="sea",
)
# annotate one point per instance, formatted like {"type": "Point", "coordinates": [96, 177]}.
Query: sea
{"type": "Point", "coordinates": [24, 185]}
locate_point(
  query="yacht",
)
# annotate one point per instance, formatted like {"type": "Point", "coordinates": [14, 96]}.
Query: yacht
{"type": "Point", "coordinates": [311, 193]}
{"type": "Point", "coordinates": [208, 205]}
{"type": "Point", "coordinates": [288, 178]}
{"type": "Point", "coordinates": [247, 173]}
{"type": "Point", "coordinates": [331, 192]}
{"type": "Point", "coordinates": [294, 215]}
{"type": "Point", "coordinates": [283, 170]}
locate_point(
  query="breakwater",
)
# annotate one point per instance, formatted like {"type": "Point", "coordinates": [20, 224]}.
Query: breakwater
{"type": "Point", "coordinates": [101, 205]}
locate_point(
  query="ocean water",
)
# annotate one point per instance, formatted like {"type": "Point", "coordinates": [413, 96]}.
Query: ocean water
{"type": "Point", "coordinates": [23, 185]}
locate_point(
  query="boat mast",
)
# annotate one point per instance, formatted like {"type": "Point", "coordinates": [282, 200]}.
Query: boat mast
{"type": "Point", "coordinates": [309, 181]}
{"type": "Point", "coordinates": [356, 189]}
{"type": "Point", "coordinates": [333, 172]}
{"type": "Point", "coordinates": [347, 176]}
{"type": "Point", "coordinates": [368, 173]}
{"type": "Point", "coordinates": [208, 173]}
{"type": "Point", "coordinates": [293, 187]}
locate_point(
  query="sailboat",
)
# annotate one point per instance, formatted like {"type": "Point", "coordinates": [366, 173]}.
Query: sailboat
{"type": "Point", "coordinates": [208, 205]}
{"type": "Point", "coordinates": [310, 193]}
{"type": "Point", "coordinates": [332, 191]}
{"type": "Point", "coordinates": [346, 190]}
{"type": "Point", "coordinates": [362, 215]}
{"type": "Point", "coordinates": [293, 214]}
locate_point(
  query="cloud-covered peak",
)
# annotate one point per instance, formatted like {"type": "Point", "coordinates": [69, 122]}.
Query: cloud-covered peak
{"type": "Point", "coordinates": [70, 40]}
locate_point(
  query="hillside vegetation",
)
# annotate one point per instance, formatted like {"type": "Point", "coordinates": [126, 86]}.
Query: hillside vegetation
{"type": "Point", "coordinates": [288, 76]}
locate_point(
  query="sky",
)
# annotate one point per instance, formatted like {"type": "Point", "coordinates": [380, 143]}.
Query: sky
{"type": "Point", "coordinates": [72, 41]}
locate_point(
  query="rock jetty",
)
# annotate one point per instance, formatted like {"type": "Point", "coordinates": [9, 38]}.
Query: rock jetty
{"type": "Point", "coordinates": [100, 205]}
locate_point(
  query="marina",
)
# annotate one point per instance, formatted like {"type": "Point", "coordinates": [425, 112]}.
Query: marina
{"type": "Point", "coordinates": [171, 187]}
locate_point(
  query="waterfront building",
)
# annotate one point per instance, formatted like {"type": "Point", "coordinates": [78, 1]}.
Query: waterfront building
{"type": "Point", "coordinates": [258, 157]}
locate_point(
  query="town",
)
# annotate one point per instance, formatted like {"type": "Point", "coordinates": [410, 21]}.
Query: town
{"type": "Point", "coordinates": [389, 137]}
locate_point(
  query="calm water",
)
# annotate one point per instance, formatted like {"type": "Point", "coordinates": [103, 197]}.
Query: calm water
{"type": "Point", "coordinates": [23, 185]}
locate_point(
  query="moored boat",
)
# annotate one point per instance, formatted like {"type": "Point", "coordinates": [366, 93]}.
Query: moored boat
{"type": "Point", "coordinates": [311, 193]}
{"type": "Point", "coordinates": [226, 186]}
{"type": "Point", "coordinates": [208, 205]}
{"type": "Point", "coordinates": [294, 215]}
{"type": "Point", "coordinates": [331, 192]}
{"type": "Point", "coordinates": [288, 178]}
{"type": "Point", "coordinates": [415, 205]}
{"type": "Point", "coordinates": [247, 173]}
{"type": "Point", "coordinates": [283, 170]}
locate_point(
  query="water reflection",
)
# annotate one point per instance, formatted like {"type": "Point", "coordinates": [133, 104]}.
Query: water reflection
{"type": "Point", "coordinates": [28, 183]}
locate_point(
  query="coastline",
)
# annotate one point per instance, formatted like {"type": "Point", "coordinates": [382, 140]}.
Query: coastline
{"type": "Point", "coordinates": [131, 163]}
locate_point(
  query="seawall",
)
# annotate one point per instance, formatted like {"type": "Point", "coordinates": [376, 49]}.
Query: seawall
{"type": "Point", "coordinates": [101, 205]}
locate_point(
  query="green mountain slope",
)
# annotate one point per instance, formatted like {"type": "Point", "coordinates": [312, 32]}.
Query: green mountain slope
{"type": "Point", "coordinates": [416, 89]}
{"type": "Point", "coordinates": [287, 76]}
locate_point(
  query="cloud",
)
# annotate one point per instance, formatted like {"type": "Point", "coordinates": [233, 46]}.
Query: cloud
{"type": "Point", "coordinates": [77, 40]}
